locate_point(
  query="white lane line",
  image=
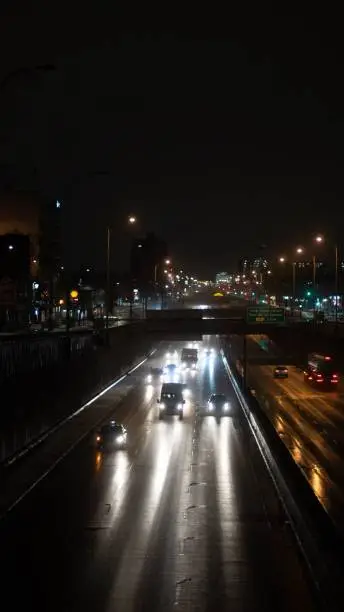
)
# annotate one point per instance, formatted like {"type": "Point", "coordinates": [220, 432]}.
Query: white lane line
{"type": "Point", "coordinates": [51, 431]}
{"type": "Point", "coordinates": [73, 446]}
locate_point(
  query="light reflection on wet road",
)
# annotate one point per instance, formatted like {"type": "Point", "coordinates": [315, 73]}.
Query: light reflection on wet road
{"type": "Point", "coordinates": [185, 518]}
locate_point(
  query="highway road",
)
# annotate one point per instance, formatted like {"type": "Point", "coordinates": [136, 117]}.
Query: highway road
{"type": "Point", "coordinates": [310, 422]}
{"type": "Point", "coordinates": [185, 518]}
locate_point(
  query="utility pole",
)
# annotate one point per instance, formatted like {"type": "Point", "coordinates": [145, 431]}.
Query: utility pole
{"type": "Point", "coordinates": [108, 281]}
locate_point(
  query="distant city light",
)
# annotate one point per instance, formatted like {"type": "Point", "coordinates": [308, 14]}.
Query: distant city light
{"type": "Point", "coordinates": [132, 219]}
{"type": "Point", "coordinates": [58, 204]}
{"type": "Point", "coordinates": [10, 247]}
{"type": "Point", "coordinates": [139, 246]}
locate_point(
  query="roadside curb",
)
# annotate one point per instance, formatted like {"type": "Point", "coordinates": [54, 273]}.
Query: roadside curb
{"type": "Point", "coordinates": [10, 461]}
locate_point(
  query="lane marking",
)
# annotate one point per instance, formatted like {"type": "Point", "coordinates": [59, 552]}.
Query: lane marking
{"type": "Point", "coordinates": [64, 421]}
{"type": "Point", "coordinates": [74, 445]}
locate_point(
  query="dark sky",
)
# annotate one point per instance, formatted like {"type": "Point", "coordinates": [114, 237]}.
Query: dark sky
{"type": "Point", "coordinates": [218, 138]}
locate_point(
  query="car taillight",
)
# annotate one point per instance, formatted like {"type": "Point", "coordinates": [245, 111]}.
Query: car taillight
{"type": "Point", "coordinates": [319, 378]}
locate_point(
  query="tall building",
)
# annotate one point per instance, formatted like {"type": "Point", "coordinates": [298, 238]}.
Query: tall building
{"type": "Point", "coordinates": [244, 265]}
{"type": "Point", "coordinates": [30, 232]}
{"type": "Point", "coordinates": [223, 277]}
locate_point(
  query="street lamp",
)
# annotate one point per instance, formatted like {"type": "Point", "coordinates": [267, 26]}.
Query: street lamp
{"type": "Point", "coordinates": [318, 240]}
{"type": "Point", "coordinates": [131, 220]}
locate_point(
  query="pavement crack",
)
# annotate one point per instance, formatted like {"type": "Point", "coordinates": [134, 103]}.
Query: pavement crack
{"type": "Point", "coordinates": [183, 581]}
{"type": "Point", "coordinates": [192, 507]}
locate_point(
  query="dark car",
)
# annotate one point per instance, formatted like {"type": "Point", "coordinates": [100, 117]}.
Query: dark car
{"type": "Point", "coordinates": [155, 373]}
{"type": "Point", "coordinates": [218, 404]}
{"type": "Point", "coordinates": [281, 372]}
{"type": "Point", "coordinates": [111, 435]}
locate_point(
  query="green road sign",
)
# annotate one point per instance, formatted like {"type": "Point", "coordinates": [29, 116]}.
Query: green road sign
{"type": "Point", "coordinates": [264, 314]}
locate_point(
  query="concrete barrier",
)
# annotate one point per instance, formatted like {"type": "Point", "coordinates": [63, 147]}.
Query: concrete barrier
{"type": "Point", "coordinates": [318, 540]}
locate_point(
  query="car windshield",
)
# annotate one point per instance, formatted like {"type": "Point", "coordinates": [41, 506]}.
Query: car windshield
{"type": "Point", "coordinates": [111, 429]}
{"type": "Point", "coordinates": [218, 397]}
{"type": "Point", "coordinates": [281, 368]}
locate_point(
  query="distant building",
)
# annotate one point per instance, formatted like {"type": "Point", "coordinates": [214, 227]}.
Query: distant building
{"type": "Point", "coordinates": [30, 242]}
{"type": "Point", "coordinates": [244, 265]}
{"type": "Point", "coordinates": [223, 277]}
{"type": "Point", "coordinates": [260, 264]}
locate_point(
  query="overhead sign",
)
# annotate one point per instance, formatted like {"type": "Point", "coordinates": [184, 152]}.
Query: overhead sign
{"type": "Point", "coordinates": [264, 314]}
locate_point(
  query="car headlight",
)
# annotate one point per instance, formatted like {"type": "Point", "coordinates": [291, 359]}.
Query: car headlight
{"type": "Point", "coordinates": [193, 365]}
{"type": "Point", "coordinates": [162, 406]}
{"type": "Point", "coordinates": [149, 378]}
{"type": "Point", "coordinates": [226, 406]}
{"type": "Point", "coordinates": [180, 406]}
{"type": "Point", "coordinates": [211, 405]}
{"type": "Point", "coordinates": [120, 439]}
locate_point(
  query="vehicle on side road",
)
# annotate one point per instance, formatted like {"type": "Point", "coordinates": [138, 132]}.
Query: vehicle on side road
{"type": "Point", "coordinates": [321, 371]}
{"type": "Point", "coordinates": [281, 371]}
{"type": "Point", "coordinates": [171, 400]}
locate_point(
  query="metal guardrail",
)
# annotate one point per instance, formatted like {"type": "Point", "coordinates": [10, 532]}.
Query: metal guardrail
{"type": "Point", "coordinates": [317, 538]}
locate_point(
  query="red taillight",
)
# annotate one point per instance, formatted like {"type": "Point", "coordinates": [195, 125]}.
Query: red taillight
{"type": "Point", "coordinates": [319, 378]}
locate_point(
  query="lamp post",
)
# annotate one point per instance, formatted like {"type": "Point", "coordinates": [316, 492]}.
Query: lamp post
{"type": "Point", "coordinates": [336, 284]}
{"type": "Point", "coordinates": [131, 221]}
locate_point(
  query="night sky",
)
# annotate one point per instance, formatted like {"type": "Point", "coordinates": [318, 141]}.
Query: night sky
{"type": "Point", "coordinates": [217, 139]}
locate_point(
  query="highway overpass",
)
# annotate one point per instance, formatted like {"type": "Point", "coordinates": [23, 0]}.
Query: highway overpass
{"type": "Point", "coordinates": [211, 321]}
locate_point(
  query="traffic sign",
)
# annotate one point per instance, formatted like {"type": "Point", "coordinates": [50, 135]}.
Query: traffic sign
{"type": "Point", "coordinates": [264, 314]}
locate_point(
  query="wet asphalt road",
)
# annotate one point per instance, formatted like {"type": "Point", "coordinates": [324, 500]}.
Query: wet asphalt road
{"type": "Point", "coordinates": [186, 518]}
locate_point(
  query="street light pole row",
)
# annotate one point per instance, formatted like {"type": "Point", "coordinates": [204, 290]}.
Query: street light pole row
{"type": "Point", "coordinates": [319, 240]}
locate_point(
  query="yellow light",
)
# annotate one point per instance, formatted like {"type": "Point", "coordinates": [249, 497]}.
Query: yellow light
{"type": "Point", "coordinates": [218, 294]}
{"type": "Point", "coordinates": [74, 294]}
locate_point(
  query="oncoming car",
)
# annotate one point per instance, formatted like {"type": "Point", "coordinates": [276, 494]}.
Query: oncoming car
{"type": "Point", "coordinates": [218, 404]}
{"type": "Point", "coordinates": [111, 435]}
{"type": "Point", "coordinates": [172, 400]}
{"type": "Point", "coordinates": [155, 373]}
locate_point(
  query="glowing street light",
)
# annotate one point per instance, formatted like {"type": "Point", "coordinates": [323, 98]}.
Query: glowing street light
{"type": "Point", "coordinates": [319, 239]}
{"type": "Point", "coordinates": [282, 260]}
{"type": "Point", "coordinates": [132, 220]}
{"type": "Point", "coordinates": [299, 250]}
{"type": "Point", "coordinates": [167, 262]}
